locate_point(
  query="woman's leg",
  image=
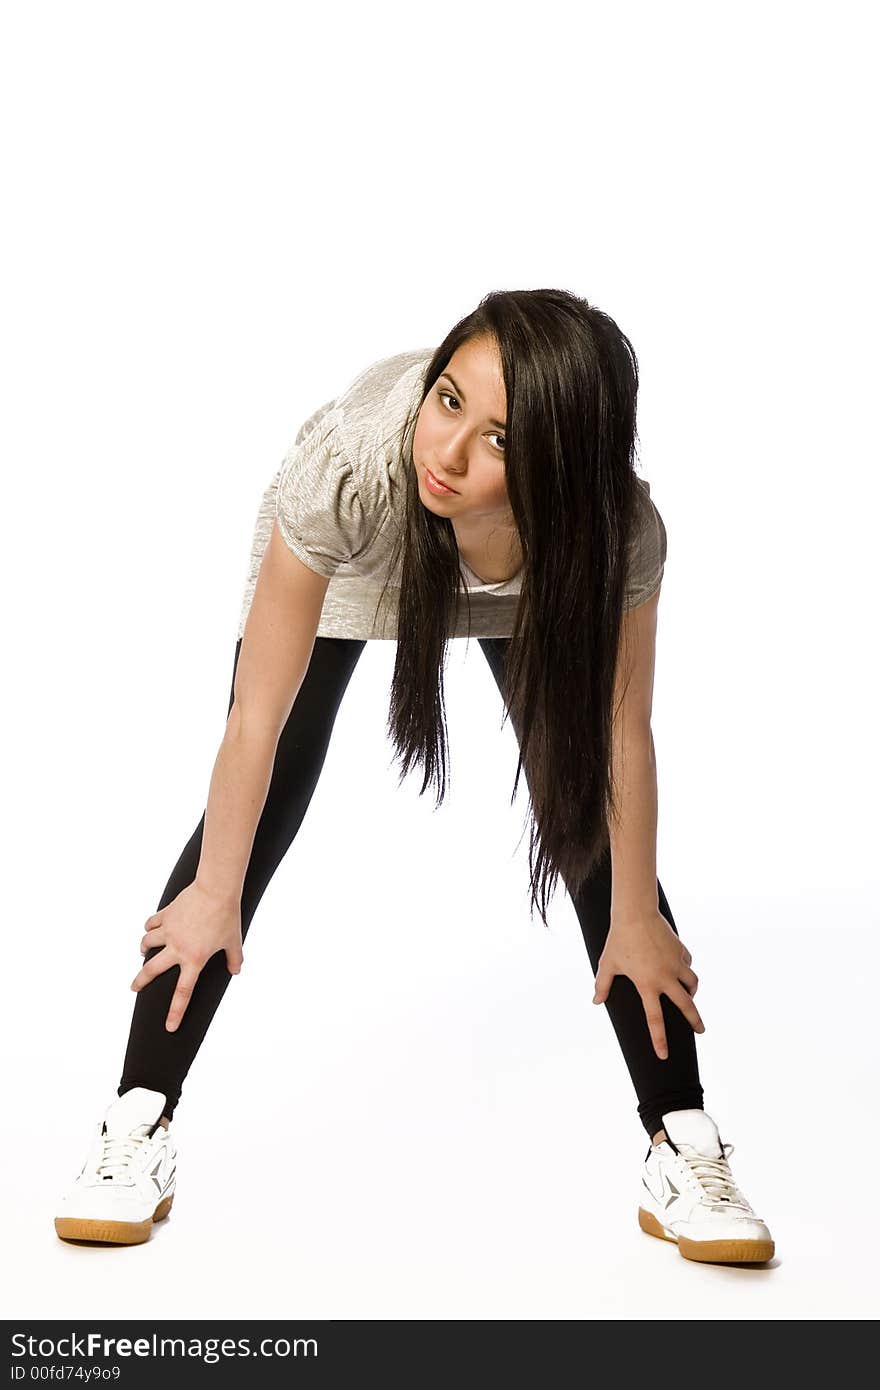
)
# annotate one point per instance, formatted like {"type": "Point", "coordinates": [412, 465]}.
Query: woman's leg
{"type": "Point", "coordinates": [661, 1085]}
{"type": "Point", "coordinates": [159, 1059]}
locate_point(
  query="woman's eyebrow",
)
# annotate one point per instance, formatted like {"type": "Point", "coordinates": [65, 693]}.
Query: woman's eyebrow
{"type": "Point", "coordinates": [458, 391]}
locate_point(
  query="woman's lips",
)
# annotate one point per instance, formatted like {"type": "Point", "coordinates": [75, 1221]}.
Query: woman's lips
{"type": "Point", "coordinates": [436, 486]}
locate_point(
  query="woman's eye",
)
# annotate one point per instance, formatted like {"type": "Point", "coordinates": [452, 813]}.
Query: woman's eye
{"type": "Point", "coordinates": [447, 395]}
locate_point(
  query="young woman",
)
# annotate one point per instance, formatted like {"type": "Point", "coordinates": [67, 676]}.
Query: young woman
{"type": "Point", "coordinates": [485, 487]}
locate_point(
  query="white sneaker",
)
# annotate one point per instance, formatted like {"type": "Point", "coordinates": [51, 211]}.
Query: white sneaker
{"type": "Point", "coordinates": [689, 1195]}
{"type": "Point", "coordinates": [127, 1182]}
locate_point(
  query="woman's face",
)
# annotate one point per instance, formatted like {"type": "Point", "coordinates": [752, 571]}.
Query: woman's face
{"type": "Point", "coordinates": [459, 436]}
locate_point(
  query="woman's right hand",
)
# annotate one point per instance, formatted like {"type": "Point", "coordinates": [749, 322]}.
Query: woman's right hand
{"type": "Point", "coordinates": [190, 929]}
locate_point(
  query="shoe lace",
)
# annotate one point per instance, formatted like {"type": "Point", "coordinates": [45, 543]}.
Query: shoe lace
{"type": "Point", "coordinates": [715, 1178]}
{"type": "Point", "coordinates": [117, 1152]}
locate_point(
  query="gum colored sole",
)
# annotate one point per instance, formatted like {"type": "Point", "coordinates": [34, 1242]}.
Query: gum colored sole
{"type": "Point", "coordinates": [711, 1251]}
{"type": "Point", "coordinates": [111, 1232]}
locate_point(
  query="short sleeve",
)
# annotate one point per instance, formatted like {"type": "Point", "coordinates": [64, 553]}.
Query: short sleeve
{"type": "Point", "coordinates": [647, 551]}
{"type": "Point", "coordinates": [317, 506]}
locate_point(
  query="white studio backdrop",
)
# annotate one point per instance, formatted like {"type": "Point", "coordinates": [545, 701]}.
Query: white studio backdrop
{"type": "Point", "coordinates": [216, 216]}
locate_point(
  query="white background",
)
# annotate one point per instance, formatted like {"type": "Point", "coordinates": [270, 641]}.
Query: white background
{"type": "Point", "coordinates": [216, 215]}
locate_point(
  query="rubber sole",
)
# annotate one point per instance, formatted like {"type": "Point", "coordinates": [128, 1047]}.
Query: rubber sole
{"type": "Point", "coordinates": [111, 1232]}
{"type": "Point", "coordinates": [711, 1251]}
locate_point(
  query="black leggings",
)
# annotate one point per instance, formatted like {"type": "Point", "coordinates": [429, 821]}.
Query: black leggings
{"type": "Point", "coordinates": [160, 1059]}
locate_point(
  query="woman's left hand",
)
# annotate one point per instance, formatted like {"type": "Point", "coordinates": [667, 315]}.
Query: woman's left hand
{"type": "Point", "coordinates": [654, 957]}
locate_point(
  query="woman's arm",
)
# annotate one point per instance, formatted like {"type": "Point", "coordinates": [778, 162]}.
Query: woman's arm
{"type": "Point", "coordinates": [276, 648]}
{"type": "Point", "coordinates": [275, 652]}
{"type": "Point", "coordinates": [640, 944]}
{"type": "Point", "coordinates": [633, 834]}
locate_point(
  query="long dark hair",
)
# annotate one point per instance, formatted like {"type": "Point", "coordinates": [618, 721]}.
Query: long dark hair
{"type": "Point", "coordinates": [571, 380]}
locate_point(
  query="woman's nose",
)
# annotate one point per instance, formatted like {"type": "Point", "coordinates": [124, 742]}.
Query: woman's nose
{"type": "Point", "coordinates": [454, 458]}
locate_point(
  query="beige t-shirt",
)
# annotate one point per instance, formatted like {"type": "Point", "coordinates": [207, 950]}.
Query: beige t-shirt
{"type": "Point", "coordinates": [339, 499]}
